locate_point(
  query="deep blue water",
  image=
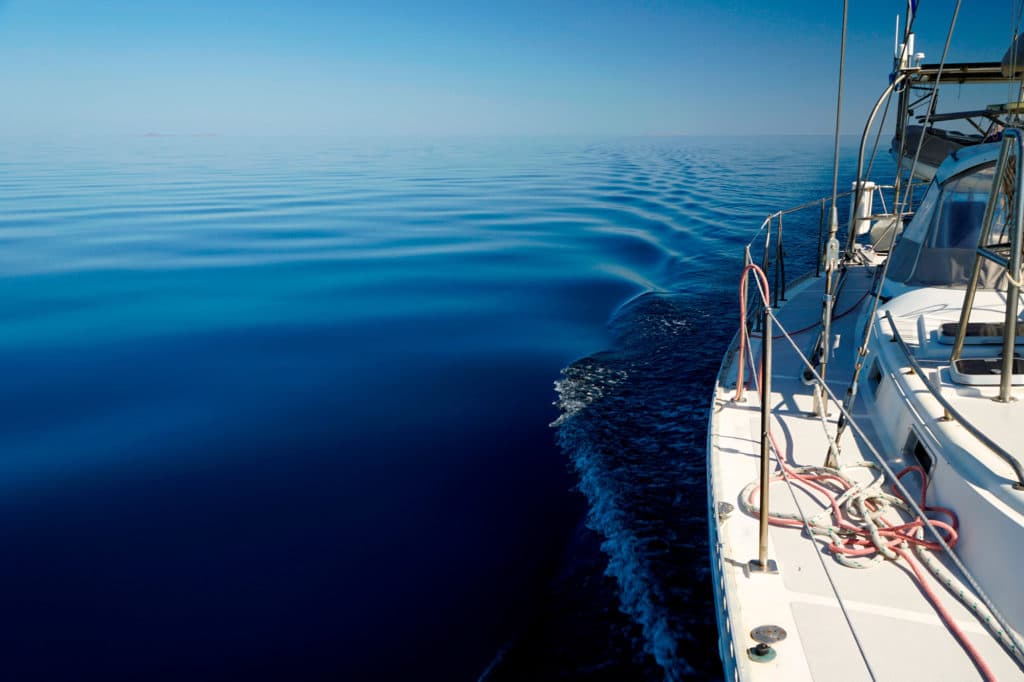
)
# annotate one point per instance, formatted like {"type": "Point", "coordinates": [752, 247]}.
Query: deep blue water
{"type": "Point", "coordinates": [279, 409]}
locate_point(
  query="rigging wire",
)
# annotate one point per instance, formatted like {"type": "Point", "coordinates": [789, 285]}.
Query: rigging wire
{"type": "Point", "coordinates": [762, 280]}
{"type": "Point", "coordinates": [1016, 12]}
{"type": "Point", "coordinates": [851, 391]}
{"type": "Point", "coordinates": [832, 248]}
{"type": "Point", "coordinates": [901, 206]}
{"type": "Point", "coordinates": [931, 105]}
{"type": "Point", "coordinates": [901, 125]}
{"type": "Point", "coordinates": [996, 615]}
{"type": "Point", "coordinates": [870, 502]}
{"type": "Point", "coordinates": [992, 617]}
{"type": "Point", "coordinates": [839, 107]}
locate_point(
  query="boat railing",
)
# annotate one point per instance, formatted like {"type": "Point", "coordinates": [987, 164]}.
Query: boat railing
{"type": "Point", "coordinates": [950, 413]}
{"type": "Point", "coordinates": [769, 449]}
{"type": "Point", "coordinates": [768, 243]}
{"type": "Point", "coordinates": [1003, 247]}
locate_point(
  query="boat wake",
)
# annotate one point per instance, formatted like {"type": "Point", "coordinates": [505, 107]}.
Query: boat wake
{"type": "Point", "coordinates": [633, 426]}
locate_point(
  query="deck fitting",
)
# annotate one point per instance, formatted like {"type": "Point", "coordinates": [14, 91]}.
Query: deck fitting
{"type": "Point", "coordinates": [768, 634]}
{"type": "Point", "coordinates": [762, 653]}
{"type": "Point", "coordinates": [754, 567]}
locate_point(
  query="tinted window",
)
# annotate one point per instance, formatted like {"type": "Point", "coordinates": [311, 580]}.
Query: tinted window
{"type": "Point", "coordinates": [961, 209]}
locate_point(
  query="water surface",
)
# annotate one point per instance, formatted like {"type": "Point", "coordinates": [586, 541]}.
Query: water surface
{"type": "Point", "coordinates": [279, 408]}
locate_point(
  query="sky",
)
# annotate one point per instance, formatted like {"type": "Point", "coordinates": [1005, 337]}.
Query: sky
{"type": "Point", "coordinates": [589, 67]}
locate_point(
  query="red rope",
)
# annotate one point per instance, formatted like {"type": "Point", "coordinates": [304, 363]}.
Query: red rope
{"type": "Point", "coordinates": [809, 327]}
{"type": "Point", "coordinates": [856, 541]}
{"type": "Point", "coordinates": [763, 287]}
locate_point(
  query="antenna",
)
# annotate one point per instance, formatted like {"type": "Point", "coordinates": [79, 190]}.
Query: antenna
{"type": "Point", "coordinates": [896, 40]}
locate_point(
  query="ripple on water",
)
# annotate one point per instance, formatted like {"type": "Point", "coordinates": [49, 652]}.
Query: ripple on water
{"type": "Point", "coordinates": [272, 370]}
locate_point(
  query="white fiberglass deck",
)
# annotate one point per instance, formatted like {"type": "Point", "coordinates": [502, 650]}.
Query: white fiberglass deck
{"type": "Point", "coordinates": [889, 630]}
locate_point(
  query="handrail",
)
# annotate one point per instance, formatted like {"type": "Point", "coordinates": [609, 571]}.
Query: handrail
{"type": "Point", "coordinates": [852, 236]}
{"type": "Point", "coordinates": [1013, 641]}
{"type": "Point", "coordinates": [773, 223]}
{"type": "Point", "coordinates": [952, 411]}
{"type": "Point", "coordinates": [1009, 182]}
{"type": "Point", "coordinates": [809, 204]}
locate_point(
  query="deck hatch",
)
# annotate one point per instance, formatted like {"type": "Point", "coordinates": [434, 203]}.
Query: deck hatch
{"type": "Point", "coordinates": [985, 371]}
{"type": "Point", "coordinates": [979, 333]}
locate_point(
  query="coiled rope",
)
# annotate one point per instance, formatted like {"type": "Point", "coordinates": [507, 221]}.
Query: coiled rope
{"type": "Point", "coordinates": [857, 519]}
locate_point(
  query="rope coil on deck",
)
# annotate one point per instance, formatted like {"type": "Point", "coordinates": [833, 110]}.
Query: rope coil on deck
{"type": "Point", "coordinates": [863, 523]}
{"type": "Point", "coordinates": [857, 518]}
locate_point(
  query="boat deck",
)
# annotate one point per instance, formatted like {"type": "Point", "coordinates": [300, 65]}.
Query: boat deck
{"type": "Point", "coordinates": [882, 627]}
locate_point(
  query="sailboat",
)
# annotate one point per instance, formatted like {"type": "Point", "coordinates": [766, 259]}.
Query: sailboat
{"type": "Point", "coordinates": [865, 451]}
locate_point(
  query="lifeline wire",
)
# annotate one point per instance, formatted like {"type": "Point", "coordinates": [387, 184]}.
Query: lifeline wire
{"type": "Point", "coordinates": [997, 615]}
{"type": "Point", "coordinates": [810, 534]}
{"type": "Point", "coordinates": [1006, 638]}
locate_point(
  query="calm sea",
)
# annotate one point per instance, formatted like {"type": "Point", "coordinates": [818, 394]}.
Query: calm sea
{"type": "Point", "coordinates": [281, 409]}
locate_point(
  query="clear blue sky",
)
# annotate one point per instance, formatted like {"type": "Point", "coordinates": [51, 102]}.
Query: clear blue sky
{"type": "Point", "coordinates": [353, 67]}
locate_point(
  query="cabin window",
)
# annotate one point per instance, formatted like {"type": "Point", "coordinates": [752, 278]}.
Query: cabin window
{"type": "Point", "coordinates": [917, 230]}
{"type": "Point", "coordinates": [874, 377]}
{"type": "Point", "coordinates": [915, 448]}
{"type": "Point", "coordinates": [961, 210]}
